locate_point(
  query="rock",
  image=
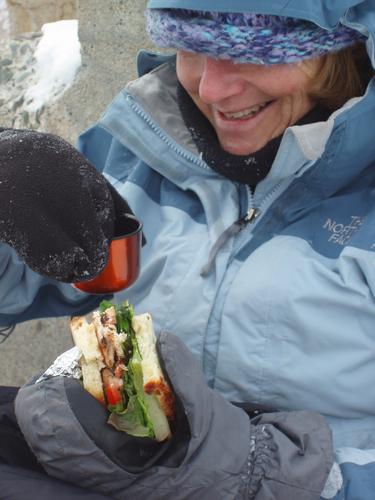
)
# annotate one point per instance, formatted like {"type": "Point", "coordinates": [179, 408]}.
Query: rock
{"type": "Point", "coordinates": [6, 62]}
{"type": "Point", "coordinates": [111, 34]}
{"type": "Point", "coordinates": [22, 76]}
{"type": "Point", "coordinates": [25, 118]}
{"type": "Point", "coordinates": [5, 75]}
{"type": "Point", "coordinates": [24, 48]}
{"type": "Point", "coordinates": [17, 103]}
{"type": "Point", "coordinates": [30, 15]}
{"type": "Point", "coordinates": [4, 21]}
{"type": "Point", "coordinates": [14, 48]}
{"type": "Point", "coordinates": [38, 115]}
{"type": "Point", "coordinates": [17, 74]}
{"type": "Point", "coordinates": [32, 348]}
{"type": "Point", "coordinates": [29, 36]}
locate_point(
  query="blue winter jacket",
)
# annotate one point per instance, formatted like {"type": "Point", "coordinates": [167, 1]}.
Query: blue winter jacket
{"type": "Point", "coordinates": [281, 313]}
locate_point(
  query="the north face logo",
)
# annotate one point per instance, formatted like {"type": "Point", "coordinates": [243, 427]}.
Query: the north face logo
{"type": "Point", "coordinates": [342, 233]}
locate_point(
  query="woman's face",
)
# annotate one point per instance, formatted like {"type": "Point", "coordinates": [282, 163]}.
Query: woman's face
{"type": "Point", "coordinates": [247, 104]}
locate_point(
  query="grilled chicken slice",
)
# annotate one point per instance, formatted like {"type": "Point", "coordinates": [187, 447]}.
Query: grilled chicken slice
{"type": "Point", "coordinates": [110, 342]}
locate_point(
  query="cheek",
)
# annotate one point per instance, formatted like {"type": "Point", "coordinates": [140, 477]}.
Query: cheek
{"type": "Point", "coordinates": [188, 71]}
{"type": "Point", "coordinates": [285, 90]}
{"type": "Point", "coordinates": [284, 81]}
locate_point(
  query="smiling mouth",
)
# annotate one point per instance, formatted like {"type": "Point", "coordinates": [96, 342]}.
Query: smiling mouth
{"type": "Point", "coordinates": [246, 113]}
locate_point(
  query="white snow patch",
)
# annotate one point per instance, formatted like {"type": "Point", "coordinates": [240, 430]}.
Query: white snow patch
{"type": "Point", "coordinates": [58, 58]}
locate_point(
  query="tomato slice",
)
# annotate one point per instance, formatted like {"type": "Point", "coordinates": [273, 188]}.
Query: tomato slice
{"type": "Point", "coordinates": [113, 395]}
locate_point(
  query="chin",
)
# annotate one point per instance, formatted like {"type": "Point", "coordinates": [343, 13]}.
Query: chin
{"type": "Point", "coordinates": [238, 149]}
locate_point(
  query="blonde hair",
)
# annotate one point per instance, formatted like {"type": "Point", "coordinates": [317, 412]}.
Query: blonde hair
{"type": "Point", "coordinates": [340, 76]}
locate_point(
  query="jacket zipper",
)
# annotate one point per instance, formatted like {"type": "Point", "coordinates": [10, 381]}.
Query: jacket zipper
{"type": "Point", "coordinates": [253, 212]}
{"type": "Point", "coordinates": [197, 160]}
{"type": "Point", "coordinates": [251, 216]}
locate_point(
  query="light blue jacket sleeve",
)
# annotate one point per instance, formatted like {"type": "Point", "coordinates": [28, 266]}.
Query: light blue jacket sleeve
{"type": "Point", "coordinates": [26, 295]}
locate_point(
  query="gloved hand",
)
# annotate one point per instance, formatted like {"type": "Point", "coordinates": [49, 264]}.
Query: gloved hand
{"type": "Point", "coordinates": [216, 451]}
{"type": "Point", "coordinates": [56, 210]}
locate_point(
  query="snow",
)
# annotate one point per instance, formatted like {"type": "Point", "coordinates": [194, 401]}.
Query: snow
{"type": "Point", "coordinates": [58, 58]}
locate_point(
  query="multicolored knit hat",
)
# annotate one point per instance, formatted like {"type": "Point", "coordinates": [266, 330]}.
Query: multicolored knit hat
{"type": "Point", "coordinates": [245, 38]}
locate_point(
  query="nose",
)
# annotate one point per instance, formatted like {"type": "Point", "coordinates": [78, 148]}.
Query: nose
{"type": "Point", "coordinates": [219, 80]}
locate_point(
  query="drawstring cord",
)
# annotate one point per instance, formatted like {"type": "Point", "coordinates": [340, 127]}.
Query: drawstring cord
{"type": "Point", "coordinates": [220, 242]}
{"type": "Point", "coordinates": [231, 231]}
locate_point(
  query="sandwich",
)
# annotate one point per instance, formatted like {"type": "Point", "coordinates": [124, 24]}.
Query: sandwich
{"type": "Point", "coordinates": [121, 369]}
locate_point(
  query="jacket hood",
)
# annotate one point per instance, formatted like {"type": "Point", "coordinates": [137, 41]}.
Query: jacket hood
{"type": "Point", "coordinates": [326, 14]}
{"type": "Point", "coordinates": [322, 12]}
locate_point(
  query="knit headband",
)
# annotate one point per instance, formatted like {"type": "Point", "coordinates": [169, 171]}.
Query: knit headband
{"type": "Point", "coordinates": [245, 38]}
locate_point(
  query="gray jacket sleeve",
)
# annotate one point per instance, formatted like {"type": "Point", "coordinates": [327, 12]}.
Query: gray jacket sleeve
{"type": "Point", "coordinates": [292, 456]}
{"type": "Point", "coordinates": [275, 456]}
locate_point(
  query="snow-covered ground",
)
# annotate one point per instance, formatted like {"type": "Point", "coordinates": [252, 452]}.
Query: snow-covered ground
{"type": "Point", "coordinates": [36, 69]}
{"type": "Point", "coordinates": [58, 58]}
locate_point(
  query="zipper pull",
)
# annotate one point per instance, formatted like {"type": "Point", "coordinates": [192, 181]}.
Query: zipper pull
{"type": "Point", "coordinates": [251, 215]}
{"type": "Point", "coordinates": [231, 231]}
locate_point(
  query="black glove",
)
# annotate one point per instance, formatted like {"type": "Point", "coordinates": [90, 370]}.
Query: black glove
{"type": "Point", "coordinates": [216, 452]}
{"type": "Point", "coordinates": [56, 210]}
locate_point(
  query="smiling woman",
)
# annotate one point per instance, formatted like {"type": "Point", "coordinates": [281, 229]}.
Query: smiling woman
{"type": "Point", "coordinates": [249, 89]}
{"type": "Point", "coordinates": [247, 104]}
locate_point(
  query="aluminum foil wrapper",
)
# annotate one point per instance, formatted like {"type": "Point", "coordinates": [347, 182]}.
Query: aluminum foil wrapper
{"type": "Point", "coordinates": [65, 365]}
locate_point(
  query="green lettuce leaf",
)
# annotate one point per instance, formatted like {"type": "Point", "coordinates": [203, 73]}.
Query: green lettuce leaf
{"type": "Point", "coordinates": [134, 418]}
{"type": "Point", "coordinates": [131, 420]}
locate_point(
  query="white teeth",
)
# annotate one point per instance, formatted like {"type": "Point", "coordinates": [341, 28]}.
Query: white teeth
{"type": "Point", "coordinates": [246, 112]}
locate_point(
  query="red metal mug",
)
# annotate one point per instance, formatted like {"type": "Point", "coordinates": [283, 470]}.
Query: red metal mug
{"type": "Point", "coordinates": [124, 262]}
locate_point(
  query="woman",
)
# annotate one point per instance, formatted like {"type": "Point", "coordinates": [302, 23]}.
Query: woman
{"type": "Point", "coordinates": [249, 159]}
